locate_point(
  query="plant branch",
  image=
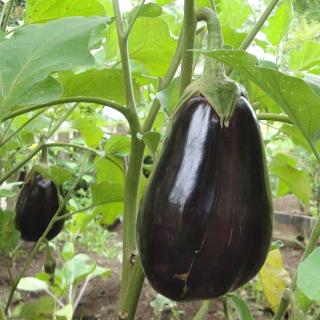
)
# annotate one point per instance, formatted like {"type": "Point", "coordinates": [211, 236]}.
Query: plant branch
{"type": "Point", "coordinates": [259, 24]}
{"type": "Point", "coordinates": [69, 215]}
{"type": "Point", "coordinates": [37, 149]}
{"type": "Point", "coordinates": [274, 117]}
{"type": "Point", "coordinates": [2, 314]}
{"type": "Point", "coordinates": [132, 296]}
{"type": "Point", "coordinates": [132, 178]}
{"type": "Point", "coordinates": [202, 312]}
{"type": "Point", "coordinates": [188, 38]}
{"type": "Point", "coordinates": [127, 33]}
{"type": "Point", "coordinates": [8, 269]}
{"type": "Point", "coordinates": [225, 308]}
{"type": "Point", "coordinates": [124, 53]}
{"type": "Point", "coordinates": [108, 103]}
{"type": "Point", "coordinates": [7, 15]}
{"type": "Point", "coordinates": [18, 130]}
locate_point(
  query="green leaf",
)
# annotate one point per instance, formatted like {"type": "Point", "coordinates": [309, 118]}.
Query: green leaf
{"type": "Point", "coordinates": [308, 277]}
{"type": "Point", "coordinates": [65, 313]}
{"type": "Point", "coordinates": [292, 94]}
{"type": "Point", "coordinates": [108, 170]}
{"type": "Point", "coordinates": [302, 301]}
{"type": "Point", "coordinates": [107, 192]}
{"type": "Point", "coordinates": [151, 45]}
{"type": "Point", "coordinates": [90, 132]}
{"type": "Point", "coordinates": [118, 146]}
{"type": "Point", "coordinates": [305, 56]}
{"type": "Point", "coordinates": [34, 52]}
{"type": "Point", "coordinates": [241, 307]}
{"type": "Point", "coordinates": [105, 83]}
{"type": "Point", "coordinates": [278, 24]}
{"type": "Point", "coordinates": [233, 37]}
{"type": "Point", "coordinates": [78, 268]}
{"type": "Point", "coordinates": [32, 284]}
{"type": "Point", "coordinates": [68, 250]}
{"type": "Point", "coordinates": [170, 96]}
{"type": "Point", "coordinates": [8, 190]}
{"type": "Point", "coordinates": [57, 174]}
{"type": "Point", "coordinates": [233, 13]}
{"type": "Point", "coordinates": [39, 10]}
{"type": "Point", "coordinates": [151, 139]}
{"type": "Point", "coordinates": [298, 181]}
{"type": "Point", "coordinates": [39, 309]}
{"type": "Point", "coordinates": [109, 212]}
{"type": "Point", "coordinates": [9, 236]}
{"type": "Point", "coordinates": [147, 10]}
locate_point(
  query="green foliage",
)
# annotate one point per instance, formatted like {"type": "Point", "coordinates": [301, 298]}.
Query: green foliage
{"type": "Point", "coordinates": [308, 277]}
{"type": "Point", "coordinates": [294, 95]}
{"type": "Point", "coordinates": [279, 23]}
{"type": "Point", "coordinates": [297, 180]}
{"type": "Point", "coordinates": [27, 81]}
{"type": "Point", "coordinates": [105, 83]}
{"type": "Point", "coordinates": [150, 38]}
{"type": "Point", "coordinates": [38, 11]}
{"type": "Point", "coordinates": [9, 236]}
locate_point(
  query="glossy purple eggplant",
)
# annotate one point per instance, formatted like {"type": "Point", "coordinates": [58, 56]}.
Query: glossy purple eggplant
{"type": "Point", "coordinates": [36, 205]}
{"type": "Point", "coordinates": [205, 223]}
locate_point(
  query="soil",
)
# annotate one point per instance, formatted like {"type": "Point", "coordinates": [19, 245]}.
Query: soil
{"type": "Point", "coordinates": [100, 298]}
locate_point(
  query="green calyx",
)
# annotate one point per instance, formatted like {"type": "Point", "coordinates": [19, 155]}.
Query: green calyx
{"type": "Point", "coordinates": [221, 92]}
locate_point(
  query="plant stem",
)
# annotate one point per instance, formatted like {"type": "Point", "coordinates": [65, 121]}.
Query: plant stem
{"type": "Point", "coordinates": [132, 178]}
{"type": "Point", "coordinates": [20, 128]}
{"type": "Point", "coordinates": [132, 183]}
{"type": "Point", "coordinates": [124, 53]}
{"type": "Point", "coordinates": [5, 21]}
{"type": "Point", "coordinates": [2, 314]}
{"type": "Point", "coordinates": [135, 284]}
{"type": "Point", "coordinates": [126, 34]}
{"type": "Point", "coordinates": [202, 312]}
{"type": "Point", "coordinates": [215, 40]}
{"type": "Point", "coordinates": [108, 103]}
{"type": "Point", "coordinates": [226, 308]}
{"type": "Point", "coordinates": [189, 29]}
{"type": "Point", "coordinates": [257, 27]}
{"type": "Point", "coordinates": [274, 117]}
{"type": "Point", "coordinates": [38, 148]}
{"type": "Point", "coordinates": [41, 239]}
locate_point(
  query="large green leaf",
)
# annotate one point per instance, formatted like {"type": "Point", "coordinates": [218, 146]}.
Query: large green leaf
{"type": "Point", "coordinates": [298, 181]}
{"type": "Point", "coordinates": [278, 24]}
{"type": "Point", "coordinates": [107, 192]}
{"type": "Point", "coordinates": [308, 277]}
{"type": "Point", "coordinates": [151, 45]}
{"type": "Point", "coordinates": [233, 13]}
{"type": "Point", "coordinates": [39, 10]}
{"type": "Point", "coordinates": [34, 52]}
{"type": "Point", "coordinates": [106, 83]}
{"type": "Point", "coordinates": [305, 56]}
{"type": "Point", "coordinates": [241, 307]}
{"type": "Point", "coordinates": [293, 95]}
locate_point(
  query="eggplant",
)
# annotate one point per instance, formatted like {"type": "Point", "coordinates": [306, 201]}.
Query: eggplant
{"type": "Point", "coordinates": [205, 223]}
{"type": "Point", "coordinates": [37, 203]}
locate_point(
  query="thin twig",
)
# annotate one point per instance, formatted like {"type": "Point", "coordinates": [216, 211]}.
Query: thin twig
{"type": "Point", "coordinates": [3, 142]}
{"type": "Point", "coordinates": [126, 34]}
{"type": "Point", "coordinates": [108, 103]}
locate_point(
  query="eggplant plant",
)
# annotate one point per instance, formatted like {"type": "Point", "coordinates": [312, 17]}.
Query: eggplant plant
{"type": "Point", "coordinates": [191, 177]}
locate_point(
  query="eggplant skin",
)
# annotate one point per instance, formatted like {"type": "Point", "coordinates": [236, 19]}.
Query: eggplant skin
{"type": "Point", "coordinates": [205, 223]}
{"type": "Point", "coordinates": [36, 205]}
